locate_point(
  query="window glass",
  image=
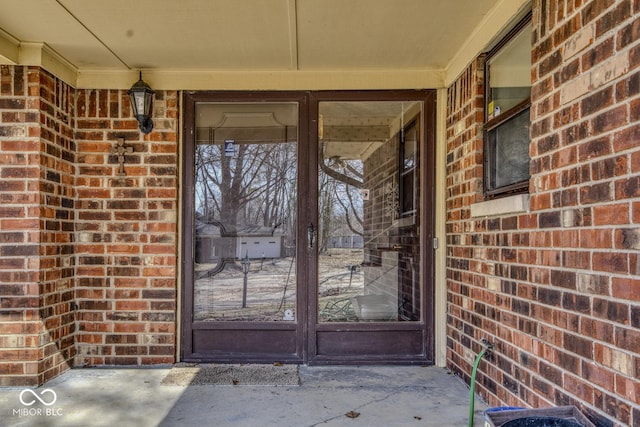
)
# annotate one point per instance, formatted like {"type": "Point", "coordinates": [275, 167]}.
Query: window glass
{"type": "Point", "coordinates": [508, 101]}
{"type": "Point", "coordinates": [245, 198]}
{"type": "Point", "coordinates": [368, 239]}
{"type": "Point", "coordinates": [509, 72]}
{"type": "Point", "coordinates": [510, 144]}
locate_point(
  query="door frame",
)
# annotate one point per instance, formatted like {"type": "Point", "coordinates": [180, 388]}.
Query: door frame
{"type": "Point", "coordinates": [306, 328]}
{"type": "Point", "coordinates": [381, 333]}
{"type": "Point", "coordinates": [273, 335]}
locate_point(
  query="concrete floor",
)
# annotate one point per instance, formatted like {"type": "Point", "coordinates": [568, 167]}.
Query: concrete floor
{"type": "Point", "coordinates": [383, 396]}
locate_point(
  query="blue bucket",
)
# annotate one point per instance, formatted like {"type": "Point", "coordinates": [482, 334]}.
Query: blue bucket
{"type": "Point", "coordinates": [499, 409]}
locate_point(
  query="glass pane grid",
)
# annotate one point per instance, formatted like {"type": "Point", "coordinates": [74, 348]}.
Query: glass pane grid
{"type": "Point", "coordinates": [368, 189]}
{"type": "Point", "coordinates": [245, 203]}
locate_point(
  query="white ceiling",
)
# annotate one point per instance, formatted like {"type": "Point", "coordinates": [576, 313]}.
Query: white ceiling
{"type": "Point", "coordinates": [250, 35]}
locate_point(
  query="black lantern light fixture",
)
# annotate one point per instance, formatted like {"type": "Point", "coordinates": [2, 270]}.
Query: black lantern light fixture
{"type": "Point", "coordinates": [141, 96]}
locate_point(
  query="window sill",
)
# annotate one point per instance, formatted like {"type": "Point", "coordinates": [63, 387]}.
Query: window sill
{"type": "Point", "coordinates": [506, 205]}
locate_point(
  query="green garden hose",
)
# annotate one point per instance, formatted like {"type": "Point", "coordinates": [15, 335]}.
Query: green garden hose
{"type": "Point", "coordinates": [488, 347]}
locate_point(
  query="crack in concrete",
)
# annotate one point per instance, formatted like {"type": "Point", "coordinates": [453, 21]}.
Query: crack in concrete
{"type": "Point", "coordinates": [356, 409]}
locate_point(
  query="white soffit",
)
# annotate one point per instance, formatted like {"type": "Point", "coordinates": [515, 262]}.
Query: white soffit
{"type": "Point", "coordinates": [254, 44]}
{"type": "Point", "coordinates": [9, 50]}
{"type": "Point", "coordinates": [192, 34]}
{"type": "Point", "coordinates": [382, 34]}
{"type": "Point", "coordinates": [45, 21]}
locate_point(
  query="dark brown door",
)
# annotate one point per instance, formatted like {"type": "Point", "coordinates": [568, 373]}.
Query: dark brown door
{"type": "Point", "coordinates": [243, 244]}
{"type": "Point", "coordinates": [373, 260]}
{"type": "Point", "coordinates": [306, 222]}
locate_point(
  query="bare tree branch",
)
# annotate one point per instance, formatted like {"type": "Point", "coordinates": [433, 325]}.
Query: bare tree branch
{"type": "Point", "coordinates": [339, 176]}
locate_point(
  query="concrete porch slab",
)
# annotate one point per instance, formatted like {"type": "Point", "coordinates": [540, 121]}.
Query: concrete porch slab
{"type": "Point", "coordinates": [382, 396]}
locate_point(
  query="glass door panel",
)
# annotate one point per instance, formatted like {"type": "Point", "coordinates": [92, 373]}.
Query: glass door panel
{"type": "Point", "coordinates": [368, 212]}
{"type": "Point", "coordinates": [245, 204]}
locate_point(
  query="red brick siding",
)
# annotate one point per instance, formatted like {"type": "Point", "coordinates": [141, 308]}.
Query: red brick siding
{"type": "Point", "coordinates": [81, 247]}
{"type": "Point", "coordinates": [36, 226]}
{"type": "Point", "coordinates": [556, 289]}
{"type": "Point", "coordinates": [464, 187]}
{"type": "Point", "coordinates": [126, 232]}
{"type": "Point", "coordinates": [57, 216]}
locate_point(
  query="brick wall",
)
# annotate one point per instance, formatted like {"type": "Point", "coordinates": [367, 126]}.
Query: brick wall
{"type": "Point", "coordinates": [36, 225]}
{"type": "Point", "coordinates": [87, 257]}
{"type": "Point", "coordinates": [467, 256]}
{"type": "Point", "coordinates": [57, 258]}
{"type": "Point", "coordinates": [556, 289]}
{"type": "Point", "coordinates": [126, 232]}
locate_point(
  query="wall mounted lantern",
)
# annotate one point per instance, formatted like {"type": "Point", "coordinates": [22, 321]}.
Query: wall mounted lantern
{"type": "Point", "coordinates": [141, 96]}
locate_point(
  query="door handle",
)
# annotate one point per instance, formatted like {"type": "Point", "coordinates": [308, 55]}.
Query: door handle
{"type": "Point", "coordinates": [311, 235]}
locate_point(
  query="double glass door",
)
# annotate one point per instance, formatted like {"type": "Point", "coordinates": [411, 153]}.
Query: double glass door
{"type": "Point", "coordinates": [304, 228]}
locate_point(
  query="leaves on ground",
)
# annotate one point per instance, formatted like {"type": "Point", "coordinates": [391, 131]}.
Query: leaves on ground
{"type": "Point", "coordinates": [352, 414]}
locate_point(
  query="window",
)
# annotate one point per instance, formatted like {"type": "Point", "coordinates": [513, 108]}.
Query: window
{"type": "Point", "coordinates": [408, 160]}
{"type": "Point", "coordinates": [507, 119]}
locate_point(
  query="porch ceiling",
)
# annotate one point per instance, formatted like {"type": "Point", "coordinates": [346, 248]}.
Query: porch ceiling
{"type": "Point", "coordinates": [245, 35]}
